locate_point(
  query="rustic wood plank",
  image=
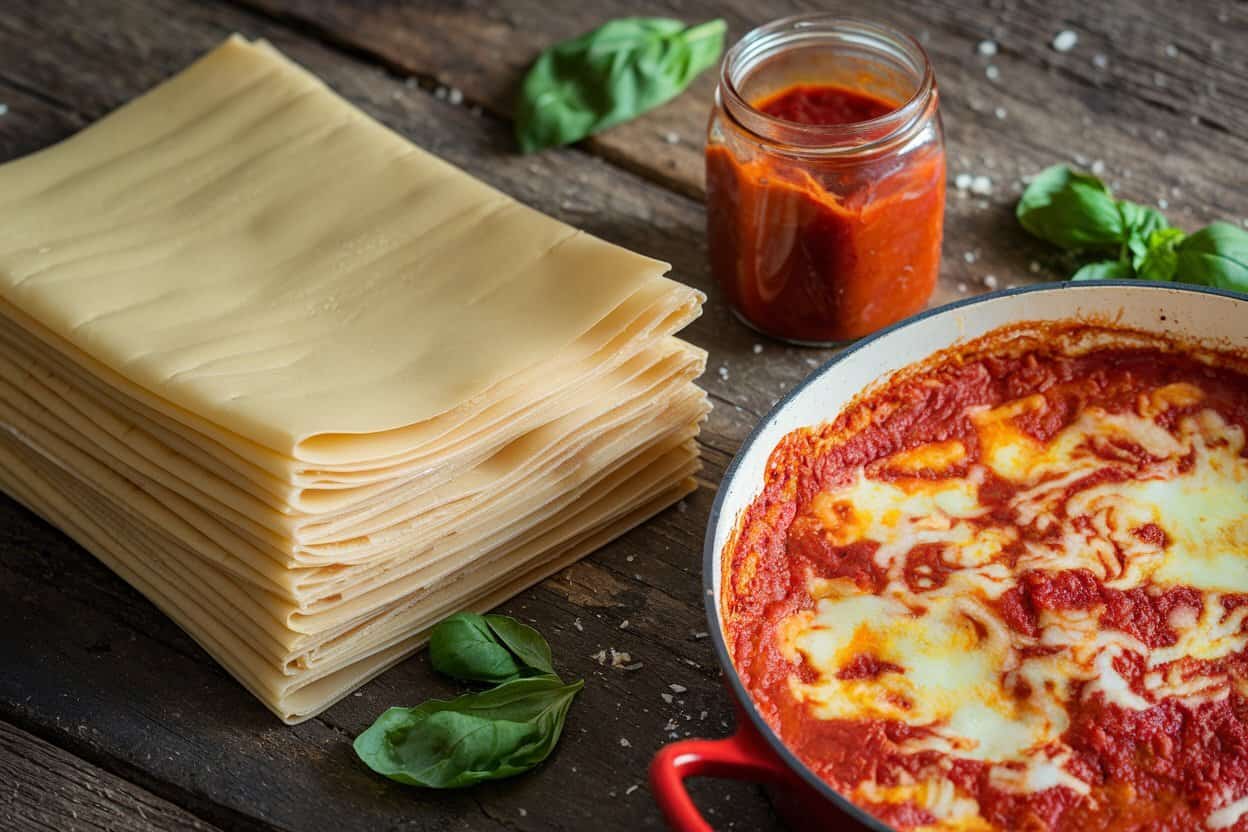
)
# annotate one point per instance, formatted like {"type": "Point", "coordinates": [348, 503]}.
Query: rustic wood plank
{"type": "Point", "coordinates": [48, 790]}
{"type": "Point", "coordinates": [1158, 92]}
{"type": "Point", "coordinates": [93, 667]}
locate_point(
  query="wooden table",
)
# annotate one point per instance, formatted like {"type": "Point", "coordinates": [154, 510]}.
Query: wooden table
{"type": "Point", "coordinates": [111, 718]}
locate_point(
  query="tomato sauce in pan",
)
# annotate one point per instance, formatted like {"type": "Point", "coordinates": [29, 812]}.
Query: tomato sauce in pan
{"type": "Point", "coordinates": [1170, 762]}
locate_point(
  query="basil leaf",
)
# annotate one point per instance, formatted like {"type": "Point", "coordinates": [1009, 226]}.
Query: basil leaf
{"type": "Point", "coordinates": [488, 648]}
{"type": "Point", "coordinates": [475, 737]}
{"type": "Point", "coordinates": [612, 74]}
{"type": "Point", "coordinates": [524, 642]}
{"type": "Point", "coordinates": [1139, 223]}
{"type": "Point", "coordinates": [1217, 255]}
{"type": "Point", "coordinates": [1070, 209]}
{"type": "Point", "coordinates": [1161, 259]}
{"type": "Point", "coordinates": [464, 646]}
{"type": "Point", "coordinates": [1104, 270]}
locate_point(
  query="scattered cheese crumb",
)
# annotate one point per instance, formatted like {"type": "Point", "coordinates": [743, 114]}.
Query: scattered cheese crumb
{"type": "Point", "coordinates": [701, 634]}
{"type": "Point", "coordinates": [758, 349]}
{"type": "Point", "coordinates": [999, 112]}
{"type": "Point", "coordinates": [981, 185]}
{"type": "Point", "coordinates": [723, 372]}
{"type": "Point", "coordinates": [677, 688]}
{"type": "Point", "coordinates": [600, 656]}
{"type": "Point", "coordinates": [963, 181]}
{"type": "Point", "coordinates": [962, 288]}
{"type": "Point", "coordinates": [625, 743]}
{"type": "Point", "coordinates": [1163, 204]}
{"type": "Point", "coordinates": [703, 715]}
{"type": "Point", "coordinates": [631, 789]}
{"type": "Point", "coordinates": [671, 725]}
{"type": "Point", "coordinates": [990, 281]}
{"type": "Point", "coordinates": [1159, 80]}
{"type": "Point", "coordinates": [671, 137]}
{"type": "Point", "coordinates": [969, 256]}
{"type": "Point", "coordinates": [624, 624]}
{"type": "Point", "coordinates": [619, 658]}
{"type": "Point", "coordinates": [1065, 40]}
{"type": "Point", "coordinates": [525, 812]}
{"type": "Point", "coordinates": [1100, 61]}
{"type": "Point", "coordinates": [1034, 267]}
{"type": "Point", "coordinates": [455, 96]}
{"type": "Point", "coordinates": [630, 558]}
{"type": "Point", "coordinates": [1098, 167]}
{"type": "Point", "coordinates": [992, 72]}
{"type": "Point", "coordinates": [667, 697]}
{"type": "Point", "coordinates": [440, 93]}
{"type": "Point", "coordinates": [1172, 51]}
{"type": "Point", "coordinates": [987, 48]}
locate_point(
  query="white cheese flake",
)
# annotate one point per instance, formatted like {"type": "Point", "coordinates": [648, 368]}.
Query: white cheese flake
{"type": "Point", "coordinates": [987, 48]}
{"type": "Point", "coordinates": [1065, 40]}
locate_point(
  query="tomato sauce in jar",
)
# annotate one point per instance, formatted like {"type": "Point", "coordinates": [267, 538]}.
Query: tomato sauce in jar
{"type": "Point", "coordinates": [825, 179]}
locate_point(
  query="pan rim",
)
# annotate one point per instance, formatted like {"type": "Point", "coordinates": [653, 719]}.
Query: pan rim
{"type": "Point", "coordinates": [710, 555]}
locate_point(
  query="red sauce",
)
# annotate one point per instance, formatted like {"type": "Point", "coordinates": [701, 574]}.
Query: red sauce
{"type": "Point", "coordinates": [824, 104]}
{"type": "Point", "coordinates": [817, 251]}
{"type": "Point", "coordinates": [1164, 768]}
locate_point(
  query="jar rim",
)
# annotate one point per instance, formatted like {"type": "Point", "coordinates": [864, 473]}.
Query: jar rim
{"type": "Point", "coordinates": [824, 139]}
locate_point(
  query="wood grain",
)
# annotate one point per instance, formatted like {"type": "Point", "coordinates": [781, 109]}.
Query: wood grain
{"type": "Point", "coordinates": [1164, 105]}
{"type": "Point", "coordinates": [46, 789]}
{"type": "Point", "coordinates": [87, 664]}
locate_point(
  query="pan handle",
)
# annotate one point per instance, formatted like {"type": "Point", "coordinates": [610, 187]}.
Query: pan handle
{"type": "Point", "coordinates": [742, 756]}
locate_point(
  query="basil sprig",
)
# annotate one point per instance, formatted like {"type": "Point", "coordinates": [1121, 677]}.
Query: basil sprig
{"type": "Point", "coordinates": [610, 75]}
{"type": "Point", "coordinates": [1077, 212]}
{"type": "Point", "coordinates": [486, 735]}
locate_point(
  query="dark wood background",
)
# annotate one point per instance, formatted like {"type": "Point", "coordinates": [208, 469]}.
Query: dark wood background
{"type": "Point", "coordinates": [111, 718]}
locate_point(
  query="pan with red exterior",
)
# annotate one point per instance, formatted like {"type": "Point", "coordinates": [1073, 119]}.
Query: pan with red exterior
{"type": "Point", "coordinates": [755, 752]}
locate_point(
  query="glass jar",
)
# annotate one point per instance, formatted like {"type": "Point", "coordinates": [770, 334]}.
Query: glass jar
{"type": "Point", "coordinates": [825, 179]}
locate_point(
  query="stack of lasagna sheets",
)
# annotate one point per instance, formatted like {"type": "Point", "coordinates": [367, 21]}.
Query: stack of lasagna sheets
{"type": "Point", "coordinates": [311, 389]}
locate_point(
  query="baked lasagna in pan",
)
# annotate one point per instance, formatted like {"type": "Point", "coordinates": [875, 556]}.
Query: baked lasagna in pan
{"type": "Point", "coordinates": [1007, 589]}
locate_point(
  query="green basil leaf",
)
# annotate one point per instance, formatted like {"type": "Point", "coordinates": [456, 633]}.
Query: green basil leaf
{"type": "Point", "coordinates": [1139, 223]}
{"type": "Point", "coordinates": [464, 646]}
{"type": "Point", "coordinates": [489, 735]}
{"type": "Point", "coordinates": [1216, 255]}
{"type": "Point", "coordinates": [488, 648]}
{"type": "Point", "coordinates": [612, 74]}
{"type": "Point", "coordinates": [1161, 259]}
{"type": "Point", "coordinates": [1104, 270]}
{"type": "Point", "coordinates": [524, 642]}
{"type": "Point", "coordinates": [1070, 209]}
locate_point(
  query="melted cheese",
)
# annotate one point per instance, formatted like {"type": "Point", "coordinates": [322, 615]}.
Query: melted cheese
{"type": "Point", "coordinates": [938, 797]}
{"type": "Point", "coordinates": [1228, 815]}
{"type": "Point", "coordinates": [958, 673]}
